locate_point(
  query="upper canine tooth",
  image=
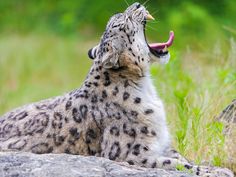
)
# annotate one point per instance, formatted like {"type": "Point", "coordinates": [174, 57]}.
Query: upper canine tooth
{"type": "Point", "coordinates": [149, 17]}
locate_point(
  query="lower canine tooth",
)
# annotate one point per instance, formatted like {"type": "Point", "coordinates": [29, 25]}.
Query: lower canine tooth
{"type": "Point", "coordinates": [165, 49]}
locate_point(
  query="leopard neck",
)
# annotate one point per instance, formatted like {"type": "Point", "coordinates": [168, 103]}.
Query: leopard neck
{"type": "Point", "coordinates": [128, 74]}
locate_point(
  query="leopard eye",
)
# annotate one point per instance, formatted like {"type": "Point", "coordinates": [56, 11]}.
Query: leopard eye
{"type": "Point", "coordinates": [138, 5]}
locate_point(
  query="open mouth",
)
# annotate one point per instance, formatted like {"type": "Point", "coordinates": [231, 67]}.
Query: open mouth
{"type": "Point", "coordinates": [160, 49]}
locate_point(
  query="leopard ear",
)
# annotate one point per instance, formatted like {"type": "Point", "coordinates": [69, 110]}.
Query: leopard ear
{"type": "Point", "coordinates": [92, 53]}
{"type": "Point", "coordinates": [110, 61]}
{"type": "Point", "coordinates": [110, 57]}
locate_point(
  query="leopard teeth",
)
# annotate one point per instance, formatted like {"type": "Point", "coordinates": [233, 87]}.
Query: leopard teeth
{"type": "Point", "coordinates": [165, 49]}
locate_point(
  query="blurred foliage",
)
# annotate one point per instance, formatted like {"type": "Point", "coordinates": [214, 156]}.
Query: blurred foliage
{"type": "Point", "coordinates": [195, 20]}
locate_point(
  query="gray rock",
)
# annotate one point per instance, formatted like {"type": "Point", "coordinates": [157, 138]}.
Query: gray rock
{"type": "Point", "coordinates": [228, 118]}
{"type": "Point", "coordinates": [18, 164]}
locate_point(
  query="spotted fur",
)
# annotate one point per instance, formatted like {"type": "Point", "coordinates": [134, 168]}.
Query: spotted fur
{"type": "Point", "coordinates": [115, 114]}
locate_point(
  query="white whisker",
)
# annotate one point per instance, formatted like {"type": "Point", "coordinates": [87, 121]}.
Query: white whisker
{"type": "Point", "coordinates": [145, 2]}
{"type": "Point", "coordinates": [147, 7]}
{"type": "Point", "coordinates": [151, 28]}
{"type": "Point", "coordinates": [126, 3]}
{"type": "Point", "coordinates": [153, 13]}
{"type": "Point", "coordinates": [153, 22]}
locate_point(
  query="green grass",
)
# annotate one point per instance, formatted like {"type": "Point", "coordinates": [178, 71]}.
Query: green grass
{"type": "Point", "coordinates": [195, 85]}
{"type": "Point", "coordinates": [35, 67]}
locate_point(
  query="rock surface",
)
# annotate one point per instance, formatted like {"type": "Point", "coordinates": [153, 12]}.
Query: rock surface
{"type": "Point", "coordinates": [228, 118]}
{"type": "Point", "coordinates": [13, 164]}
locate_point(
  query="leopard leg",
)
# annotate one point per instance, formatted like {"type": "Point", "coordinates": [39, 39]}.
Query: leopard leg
{"type": "Point", "coordinates": [176, 162]}
{"type": "Point", "coordinates": [172, 153]}
{"type": "Point", "coordinates": [136, 150]}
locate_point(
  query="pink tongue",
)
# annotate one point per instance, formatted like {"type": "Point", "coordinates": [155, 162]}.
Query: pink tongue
{"type": "Point", "coordinates": [160, 46]}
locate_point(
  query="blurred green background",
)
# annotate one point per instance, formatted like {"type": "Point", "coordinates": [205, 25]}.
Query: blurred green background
{"type": "Point", "coordinates": [43, 53]}
{"type": "Point", "coordinates": [192, 19]}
